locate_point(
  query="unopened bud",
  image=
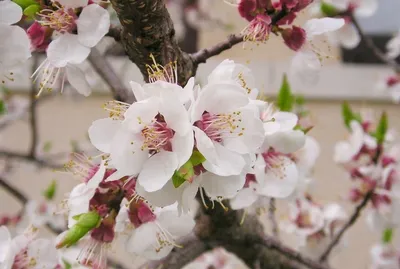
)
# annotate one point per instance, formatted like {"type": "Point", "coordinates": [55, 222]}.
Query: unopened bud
{"type": "Point", "coordinates": [294, 38]}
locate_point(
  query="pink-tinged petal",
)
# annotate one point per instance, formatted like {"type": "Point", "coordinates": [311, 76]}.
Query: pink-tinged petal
{"type": "Point", "coordinates": [93, 24]}
{"type": "Point", "coordinates": [66, 49]}
{"type": "Point", "coordinates": [101, 133]}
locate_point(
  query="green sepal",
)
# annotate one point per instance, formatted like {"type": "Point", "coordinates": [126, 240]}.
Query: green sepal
{"type": "Point", "coordinates": [381, 129]}
{"type": "Point", "coordinates": [25, 3]}
{"type": "Point", "coordinates": [177, 180]}
{"type": "Point", "coordinates": [285, 98]}
{"type": "Point", "coordinates": [197, 158]}
{"type": "Point", "coordinates": [387, 235]}
{"type": "Point", "coordinates": [328, 10]}
{"type": "Point", "coordinates": [186, 172]}
{"type": "Point", "coordinates": [31, 11]}
{"type": "Point", "coordinates": [90, 220]}
{"type": "Point", "coordinates": [67, 265]}
{"type": "Point", "coordinates": [50, 191]}
{"type": "Point", "coordinates": [348, 115]}
{"type": "Point", "coordinates": [2, 107]}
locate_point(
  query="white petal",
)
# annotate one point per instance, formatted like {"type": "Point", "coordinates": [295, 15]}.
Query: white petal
{"type": "Point", "coordinates": [220, 186]}
{"type": "Point", "coordinates": [348, 36]}
{"type": "Point", "coordinates": [175, 114]}
{"type": "Point", "coordinates": [158, 170]}
{"type": "Point", "coordinates": [366, 8]}
{"type": "Point", "coordinates": [141, 113]}
{"type": "Point", "coordinates": [167, 195]}
{"type": "Point", "coordinates": [101, 133]}
{"type": "Point", "coordinates": [43, 252]}
{"type": "Point", "coordinates": [205, 145]}
{"type": "Point", "coordinates": [245, 198]}
{"type": "Point", "coordinates": [73, 3]}
{"type": "Point", "coordinates": [286, 120]}
{"type": "Point", "coordinates": [393, 47]}
{"type": "Point", "coordinates": [280, 180]}
{"type": "Point", "coordinates": [287, 142]}
{"type": "Point", "coordinates": [183, 146]}
{"type": "Point", "coordinates": [98, 177]}
{"type": "Point", "coordinates": [305, 66]}
{"type": "Point", "coordinates": [77, 79]}
{"type": "Point", "coordinates": [188, 195]}
{"type": "Point", "coordinates": [66, 49]}
{"type": "Point", "coordinates": [137, 90]}
{"type": "Point", "coordinates": [307, 156]}
{"type": "Point", "coordinates": [93, 24]}
{"type": "Point", "coordinates": [10, 12]}
{"type": "Point", "coordinates": [176, 225]}
{"type": "Point", "coordinates": [14, 46]}
{"type": "Point", "coordinates": [342, 152]}
{"type": "Point", "coordinates": [315, 27]}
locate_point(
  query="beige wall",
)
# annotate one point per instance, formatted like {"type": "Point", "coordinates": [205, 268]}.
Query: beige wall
{"type": "Point", "coordinates": [61, 120]}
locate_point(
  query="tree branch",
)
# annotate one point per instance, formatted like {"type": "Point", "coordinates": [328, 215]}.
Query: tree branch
{"type": "Point", "coordinates": [103, 68]}
{"type": "Point", "coordinates": [370, 44]}
{"type": "Point", "coordinates": [32, 111]}
{"type": "Point", "coordinates": [349, 223]}
{"type": "Point", "coordinates": [13, 191]}
{"type": "Point", "coordinates": [29, 158]}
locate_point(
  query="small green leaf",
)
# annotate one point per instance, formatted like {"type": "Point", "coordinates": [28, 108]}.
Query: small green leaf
{"type": "Point", "coordinates": [197, 158]}
{"type": "Point", "coordinates": [348, 115]}
{"type": "Point", "coordinates": [50, 191]}
{"type": "Point", "coordinates": [329, 10]}
{"type": "Point", "coordinates": [25, 3]}
{"type": "Point", "coordinates": [285, 97]}
{"type": "Point", "coordinates": [2, 107]}
{"type": "Point", "coordinates": [90, 220]}
{"type": "Point", "coordinates": [381, 129]}
{"type": "Point", "coordinates": [67, 265]}
{"type": "Point", "coordinates": [177, 180]}
{"type": "Point", "coordinates": [31, 11]}
{"type": "Point", "coordinates": [387, 236]}
{"type": "Point", "coordinates": [299, 100]}
{"type": "Point", "coordinates": [47, 146]}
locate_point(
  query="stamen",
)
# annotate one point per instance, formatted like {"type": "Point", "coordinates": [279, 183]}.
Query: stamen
{"type": "Point", "coordinates": [157, 72]}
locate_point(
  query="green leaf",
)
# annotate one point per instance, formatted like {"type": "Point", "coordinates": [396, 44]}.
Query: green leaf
{"type": "Point", "coordinates": [90, 220]}
{"type": "Point", "coordinates": [177, 180]}
{"type": "Point", "coordinates": [47, 146]}
{"type": "Point", "coordinates": [329, 10]}
{"type": "Point", "coordinates": [50, 191]}
{"type": "Point", "coordinates": [31, 11]}
{"type": "Point", "coordinates": [197, 158]}
{"type": "Point", "coordinates": [2, 107]}
{"type": "Point", "coordinates": [299, 100]}
{"type": "Point", "coordinates": [67, 265]}
{"type": "Point", "coordinates": [25, 3]}
{"type": "Point", "coordinates": [285, 97]}
{"type": "Point", "coordinates": [387, 236]}
{"type": "Point", "coordinates": [381, 129]}
{"type": "Point", "coordinates": [348, 115]}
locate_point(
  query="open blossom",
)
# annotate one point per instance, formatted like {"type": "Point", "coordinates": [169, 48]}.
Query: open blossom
{"type": "Point", "coordinates": [385, 256]}
{"type": "Point", "coordinates": [390, 84]}
{"type": "Point", "coordinates": [15, 44]}
{"type": "Point", "coordinates": [75, 36]}
{"type": "Point", "coordinates": [307, 62]}
{"type": "Point", "coordinates": [393, 46]}
{"type": "Point", "coordinates": [26, 251]}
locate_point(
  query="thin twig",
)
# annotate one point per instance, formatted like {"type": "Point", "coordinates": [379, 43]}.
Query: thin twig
{"type": "Point", "coordinates": [272, 217]}
{"type": "Point", "coordinates": [13, 191]}
{"type": "Point", "coordinates": [349, 223]}
{"type": "Point", "coordinates": [29, 158]}
{"type": "Point", "coordinates": [370, 44]}
{"type": "Point", "coordinates": [290, 253]}
{"type": "Point", "coordinates": [32, 111]}
{"type": "Point", "coordinates": [204, 54]}
{"type": "Point", "coordinates": [103, 68]}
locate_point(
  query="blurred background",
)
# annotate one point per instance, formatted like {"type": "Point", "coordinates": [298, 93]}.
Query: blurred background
{"type": "Point", "coordinates": [351, 75]}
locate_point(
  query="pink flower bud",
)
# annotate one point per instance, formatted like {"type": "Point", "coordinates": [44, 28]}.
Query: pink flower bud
{"type": "Point", "coordinates": [294, 38]}
{"type": "Point", "coordinates": [392, 81]}
{"type": "Point", "coordinates": [355, 195]}
{"type": "Point", "coordinates": [37, 34]}
{"type": "Point", "coordinates": [289, 4]}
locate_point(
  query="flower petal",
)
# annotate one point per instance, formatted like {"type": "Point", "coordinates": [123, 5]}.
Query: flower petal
{"type": "Point", "coordinates": [14, 46]}
{"type": "Point", "coordinates": [167, 195]}
{"type": "Point", "coordinates": [205, 145]}
{"type": "Point", "coordinates": [101, 133]}
{"type": "Point", "coordinates": [158, 170]}
{"type": "Point", "coordinates": [315, 27]}
{"type": "Point", "coordinates": [93, 24]}
{"type": "Point", "coordinates": [137, 90]}
{"type": "Point", "coordinates": [183, 146]}
{"type": "Point", "coordinates": [244, 198]}
{"type": "Point", "coordinates": [286, 120]}
{"type": "Point", "coordinates": [287, 142]}
{"type": "Point", "coordinates": [10, 13]}
{"type": "Point", "coordinates": [348, 36]}
{"type": "Point", "coordinates": [222, 186]}
{"type": "Point", "coordinates": [176, 225]}
{"type": "Point", "coordinates": [73, 3]}
{"type": "Point", "coordinates": [77, 79]}
{"type": "Point", "coordinates": [366, 8]}
{"type": "Point", "coordinates": [66, 49]}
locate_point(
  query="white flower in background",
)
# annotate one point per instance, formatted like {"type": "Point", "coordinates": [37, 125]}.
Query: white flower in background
{"type": "Point", "coordinates": [15, 44]}
{"type": "Point", "coordinates": [345, 151]}
{"type": "Point", "coordinates": [217, 258]}
{"type": "Point", "coordinates": [390, 84]}
{"type": "Point", "coordinates": [385, 256]}
{"type": "Point", "coordinates": [42, 213]}
{"type": "Point", "coordinates": [393, 47]}
{"type": "Point", "coordinates": [154, 139]}
{"type": "Point", "coordinates": [69, 257]}
{"type": "Point", "coordinates": [226, 128]}
{"type": "Point", "coordinates": [230, 72]}
{"type": "Point", "coordinates": [155, 239]}
{"type": "Point", "coordinates": [70, 49]}
{"type": "Point", "coordinates": [306, 63]}
{"type": "Point", "coordinates": [25, 251]}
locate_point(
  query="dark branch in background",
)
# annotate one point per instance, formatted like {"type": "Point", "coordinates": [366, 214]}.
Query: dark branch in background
{"type": "Point", "coordinates": [370, 44]}
{"type": "Point", "coordinates": [33, 110]}
{"type": "Point", "coordinates": [29, 158]}
{"type": "Point", "coordinates": [349, 223]}
{"type": "Point", "coordinates": [103, 68]}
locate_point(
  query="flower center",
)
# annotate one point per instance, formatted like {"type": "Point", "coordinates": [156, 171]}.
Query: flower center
{"type": "Point", "coordinates": [140, 213]}
{"type": "Point", "coordinates": [220, 126]}
{"type": "Point", "coordinates": [274, 163]}
{"type": "Point", "coordinates": [81, 166]}
{"type": "Point", "coordinates": [61, 20]}
{"type": "Point", "coordinates": [157, 136]}
{"type": "Point", "coordinates": [258, 30]}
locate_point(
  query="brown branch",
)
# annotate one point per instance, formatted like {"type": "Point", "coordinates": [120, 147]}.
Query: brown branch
{"type": "Point", "coordinates": [370, 44]}
{"type": "Point", "coordinates": [29, 158]}
{"type": "Point", "coordinates": [32, 111]}
{"type": "Point", "coordinates": [349, 223]}
{"type": "Point", "coordinates": [13, 191]}
{"type": "Point", "coordinates": [103, 68]}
